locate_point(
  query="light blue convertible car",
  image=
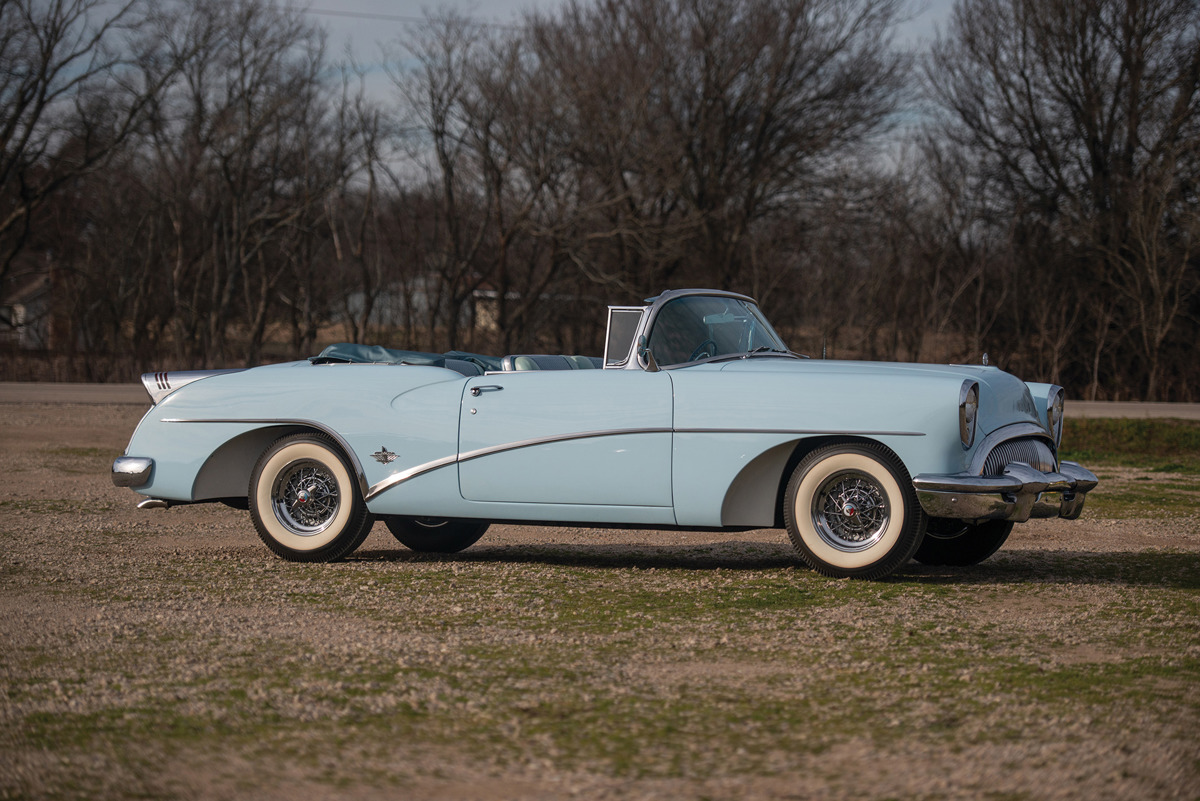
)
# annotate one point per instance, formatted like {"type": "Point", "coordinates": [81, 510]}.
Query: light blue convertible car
{"type": "Point", "coordinates": [697, 417]}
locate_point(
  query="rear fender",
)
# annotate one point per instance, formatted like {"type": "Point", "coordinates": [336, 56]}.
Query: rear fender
{"type": "Point", "coordinates": [226, 473]}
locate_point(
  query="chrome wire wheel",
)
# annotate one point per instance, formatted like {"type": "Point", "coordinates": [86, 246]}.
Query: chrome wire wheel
{"type": "Point", "coordinates": [304, 500]}
{"type": "Point", "coordinates": [850, 511]}
{"type": "Point", "coordinates": [305, 497]}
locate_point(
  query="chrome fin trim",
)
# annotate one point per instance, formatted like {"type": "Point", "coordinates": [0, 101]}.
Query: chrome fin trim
{"type": "Point", "coordinates": [162, 383]}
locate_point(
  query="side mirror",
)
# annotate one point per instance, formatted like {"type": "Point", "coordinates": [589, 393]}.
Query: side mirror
{"type": "Point", "coordinates": [645, 356]}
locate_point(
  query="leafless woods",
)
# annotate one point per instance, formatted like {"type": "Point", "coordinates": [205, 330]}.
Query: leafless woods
{"type": "Point", "coordinates": [206, 183]}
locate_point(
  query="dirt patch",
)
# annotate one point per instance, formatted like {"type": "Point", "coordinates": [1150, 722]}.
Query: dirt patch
{"type": "Point", "coordinates": [169, 654]}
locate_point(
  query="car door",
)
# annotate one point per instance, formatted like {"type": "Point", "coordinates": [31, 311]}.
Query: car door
{"type": "Point", "coordinates": [588, 437]}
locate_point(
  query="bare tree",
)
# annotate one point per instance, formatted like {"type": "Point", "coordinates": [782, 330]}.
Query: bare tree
{"type": "Point", "coordinates": [1085, 114]}
{"type": "Point", "coordinates": [75, 79]}
{"type": "Point", "coordinates": [351, 211]}
{"type": "Point", "coordinates": [233, 139]}
{"type": "Point", "coordinates": [696, 119]}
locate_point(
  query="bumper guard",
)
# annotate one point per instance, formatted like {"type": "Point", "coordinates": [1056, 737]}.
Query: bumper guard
{"type": "Point", "coordinates": [1020, 493]}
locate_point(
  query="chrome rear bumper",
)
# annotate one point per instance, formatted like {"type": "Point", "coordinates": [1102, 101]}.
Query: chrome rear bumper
{"type": "Point", "coordinates": [131, 471]}
{"type": "Point", "coordinates": [1020, 493]}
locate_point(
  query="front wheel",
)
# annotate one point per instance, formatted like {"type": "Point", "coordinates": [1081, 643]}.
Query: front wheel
{"type": "Point", "coordinates": [956, 543]}
{"type": "Point", "coordinates": [851, 511]}
{"type": "Point", "coordinates": [304, 501]}
{"type": "Point", "coordinates": [435, 534]}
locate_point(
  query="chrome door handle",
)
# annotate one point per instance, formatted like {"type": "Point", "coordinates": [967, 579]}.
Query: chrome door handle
{"type": "Point", "coordinates": [476, 391]}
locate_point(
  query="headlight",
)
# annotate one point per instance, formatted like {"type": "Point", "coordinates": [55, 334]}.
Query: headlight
{"type": "Point", "coordinates": [968, 411]}
{"type": "Point", "coordinates": [1054, 413]}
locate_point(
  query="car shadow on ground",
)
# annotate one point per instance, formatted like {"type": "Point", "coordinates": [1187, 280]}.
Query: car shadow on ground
{"type": "Point", "coordinates": [709, 556]}
{"type": "Point", "coordinates": [1160, 569]}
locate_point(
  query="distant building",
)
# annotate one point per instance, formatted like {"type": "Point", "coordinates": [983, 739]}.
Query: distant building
{"type": "Point", "coordinates": [397, 304]}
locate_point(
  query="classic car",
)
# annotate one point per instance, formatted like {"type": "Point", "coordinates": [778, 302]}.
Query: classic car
{"type": "Point", "coordinates": [697, 416]}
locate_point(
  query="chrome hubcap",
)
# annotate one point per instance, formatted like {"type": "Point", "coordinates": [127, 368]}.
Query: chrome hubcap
{"type": "Point", "coordinates": [850, 511]}
{"type": "Point", "coordinates": [305, 497]}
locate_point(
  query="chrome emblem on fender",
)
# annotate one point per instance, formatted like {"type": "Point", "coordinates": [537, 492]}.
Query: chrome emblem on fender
{"type": "Point", "coordinates": [383, 455]}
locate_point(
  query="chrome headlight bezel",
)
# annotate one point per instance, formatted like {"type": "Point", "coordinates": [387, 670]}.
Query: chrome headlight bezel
{"type": "Point", "coordinates": [1055, 403]}
{"type": "Point", "coordinates": [968, 412]}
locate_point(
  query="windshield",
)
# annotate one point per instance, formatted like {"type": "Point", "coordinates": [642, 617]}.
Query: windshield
{"type": "Point", "coordinates": [696, 327]}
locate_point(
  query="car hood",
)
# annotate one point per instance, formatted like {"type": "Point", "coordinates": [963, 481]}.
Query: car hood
{"type": "Point", "coordinates": [1003, 397]}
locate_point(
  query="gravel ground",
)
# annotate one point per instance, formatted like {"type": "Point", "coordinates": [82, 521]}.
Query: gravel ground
{"type": "Point", "coordinates": [170, 655]}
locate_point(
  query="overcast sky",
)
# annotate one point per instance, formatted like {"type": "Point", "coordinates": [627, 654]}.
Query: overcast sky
{"type": "Point", "coordinates": [364, 25]}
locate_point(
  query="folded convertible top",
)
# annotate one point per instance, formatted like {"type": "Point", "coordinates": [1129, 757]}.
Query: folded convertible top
{"type": "Point", "coordinates": [345, 352]}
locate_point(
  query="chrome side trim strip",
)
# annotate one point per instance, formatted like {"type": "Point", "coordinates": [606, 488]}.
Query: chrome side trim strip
{"type": "Point", "coordinates": [405, 475]}
{"type": "Point", "coordinates": [421, 469]}
{"type": "Point", "coordinates": [372, 491]}
{"type": "Point", "coordinates": [799, 431]}
{"type": "Point", "coordinates": [359, 473]}
{"type": "Point", "coordinates": [529, 443]}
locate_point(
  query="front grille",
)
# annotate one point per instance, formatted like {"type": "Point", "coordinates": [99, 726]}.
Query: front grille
{"type": "Point", "coordinates": [1034, 452]}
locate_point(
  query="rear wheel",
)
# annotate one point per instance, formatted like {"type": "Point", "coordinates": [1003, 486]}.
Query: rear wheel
{"type": "Point", "coordinates": [304, 501]}
{"type": "Point", "coordinates": [436, 534]}
{"type": "Point", "coordinates": [957, 543]}
{"type": "Point", "coordinates": [851, 511]}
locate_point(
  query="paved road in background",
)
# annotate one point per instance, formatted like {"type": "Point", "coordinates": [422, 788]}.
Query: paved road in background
{"type": "Point", "coordinates": [30, 392]}
{"type": "Point", "coordinates": [1182, 411]}
{"type": "Point", "coordinates": [135, 395]}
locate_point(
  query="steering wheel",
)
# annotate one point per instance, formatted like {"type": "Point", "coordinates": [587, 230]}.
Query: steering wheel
{"type": "Point", "coordinates": [705, 348]}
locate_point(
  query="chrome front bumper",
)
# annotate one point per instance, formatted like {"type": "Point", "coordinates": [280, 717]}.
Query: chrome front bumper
{"type": "Point", "coordinates": [1020, 493]}
{"type": "Point", "coordinates": [132, 471]}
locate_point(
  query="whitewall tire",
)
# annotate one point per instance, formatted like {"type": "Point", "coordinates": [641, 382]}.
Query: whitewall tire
{"type": "Point", "coordinates": [851, 511]}
{"type": "Point", "coordinates": [305, 502]}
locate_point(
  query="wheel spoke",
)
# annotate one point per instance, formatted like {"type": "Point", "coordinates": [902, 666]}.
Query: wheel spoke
{"type": "Point", "coordinates": [850, 511]}
{"type": "Point", "coordinates": [305, 498]}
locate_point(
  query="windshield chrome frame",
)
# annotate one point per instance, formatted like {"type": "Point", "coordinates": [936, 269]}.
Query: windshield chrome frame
{"type": "Point", "coordinates": [659, 301]}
